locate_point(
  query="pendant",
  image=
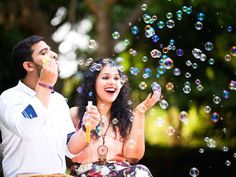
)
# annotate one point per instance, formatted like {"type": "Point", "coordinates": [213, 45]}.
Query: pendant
{"type": "Point", "coordinates": [102, 151]}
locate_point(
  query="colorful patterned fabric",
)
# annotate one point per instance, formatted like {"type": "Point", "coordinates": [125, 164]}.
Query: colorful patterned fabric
{"type": "Point", "coordinates": [110, 169]}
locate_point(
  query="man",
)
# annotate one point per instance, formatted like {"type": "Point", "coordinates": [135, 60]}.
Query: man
{"type": "Point", "coordinates": [35, 121]}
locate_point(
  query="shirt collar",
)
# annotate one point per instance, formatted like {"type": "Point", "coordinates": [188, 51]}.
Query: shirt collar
{"type": "Point", "coordinates": [26, 89]}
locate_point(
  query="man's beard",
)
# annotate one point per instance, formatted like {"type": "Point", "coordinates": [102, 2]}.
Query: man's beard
{"type": "Point", "coordinates": [39, 69]}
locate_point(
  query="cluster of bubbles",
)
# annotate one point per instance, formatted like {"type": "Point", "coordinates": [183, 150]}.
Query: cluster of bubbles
{"type": "Point", "coordinates": [163, 54]}
{"type": "Point", "coordinates": [164, 63]}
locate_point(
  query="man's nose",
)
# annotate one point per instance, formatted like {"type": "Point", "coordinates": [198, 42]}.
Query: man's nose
{"type": "Point", "coordinates": [54, 55]}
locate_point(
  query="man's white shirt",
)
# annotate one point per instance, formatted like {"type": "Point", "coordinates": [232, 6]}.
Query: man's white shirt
{"type": "Point", "coordinates": [34, 138]}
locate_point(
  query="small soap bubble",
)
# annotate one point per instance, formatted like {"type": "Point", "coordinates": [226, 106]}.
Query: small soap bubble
{"type": "Point", "coordinates": [194, 172]}
{"type": "Point", "coordinates": [134, 30]}
{"type": "Point", "coordinates": [170, 131]}
{"type": "Point", "coordinates": [233, 51]}
{"type": "Point", "coordinates": [194, 65]}
{"type": "Point", "coordinates": [149, 32]}
{"type": "Point", "coordinates": [92, 44]}
{"type": "Point", "coordinates": [210, 142]}
{"type": "Point", "coordinates": [169, 15]}
{"type": "Point", "coordinates": [90, 94]}
{"type": "Point", "coordinates": [172, 42]}
{"type": "Point", "coordinates": [144, 7]}
{"type": "Point", "coordinates": [227, 163]}
{"type": "Point", "coordinates": [200, 16]}
{"type": "Point", "coordinates": [211, 61]}
{"type": "Point", "coordinates": [186, 89]}
{"type": "Point", "coordinates": [130, 102]}
{"type": "Point", "coordinates": [230, 28]}
{"type": "Point", "coordinates": [196, 53]}
{"type": "Point", "coordinates": [147, 73]}
{"type": "Point", "coordinates": [80, 90]}
{"type": "Point", "coordinates": [155, 38]}
{"type": "Point", "coordinates": [160, 25]}
{"type": "Point", "coordinates": [208, 46]}
{"type": "Point", "coordinates": [126, 42]}
{"type": "Point", "coordinates": [155, 53]}
{"type": "Point", "coordinates": [183, 117]}
{"type": "Point", "coordinates": [189, 10]}
{"type": "Point", "coordinates": [198, 25]}
{"type": "Point", "coordinates": [188, 75]}
{"type": "Point", "coordinates": [215, 117]}
{"type": "Point", "coordinates": [227, 57]}
{"type": "Point", "coordinates": [142, 85]}
{"type": "Point", "coordinates": [114, 121]}
{"type": "Point", "coordinates": [200, 87]}
{"type": "Point", "coordinates": [169, 86]}
{"type": "Point", "coordinates": [176, 71]}
{"type": "Point", "coordinates": [216, 99]}
{"type": "Point", "coordinates": [144, 58]}
{"type": "Point", "coordinates": [116, 35]}
{"type": "Point", "coordinates": [163, 104]}
{"type": "Point", "coordinates": [170, 23]}
{"type": "Point", "coordinates": [184, 9]}
{"type": "Point", "coordinates": [98, 67]}
{"type": "Point", "coordinates": [179, 13]}
{"type": "Point", "coordinates": [197, 81]}
{"type": "Point", "coordinates": [232, 85]}
{"type": "Point", "coordinates": [226, 94]}
{"type": "Point", "coordinates": [224, 130]}
{"type": "Point", "coordinates": [134, 71]}
{"type": "Point", "coordinates": [165, 50]}
{"type": "Point", "coordinates": [155, 86]}
{"type": "Point", "coordinates": [203, 57]}
{"type": "Point", "coordinates": [161, 69]}
{"type": "Point", "coordinates": [225, 149]}
{"type": "Point", "coordinates": [160, 123]}
{"type": "Point", "coordinates": [180, 52]}
{"type": "Point", "coordinates": [168, 63]}
{"type": "Point", "coordinates": [201, 150]}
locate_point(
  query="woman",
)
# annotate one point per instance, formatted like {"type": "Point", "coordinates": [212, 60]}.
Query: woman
{"type": "Point", "coordinates": [117, 137]}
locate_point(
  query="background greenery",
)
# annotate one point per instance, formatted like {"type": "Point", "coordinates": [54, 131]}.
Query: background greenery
{"type": "Point", "coordinates": [172, 147]}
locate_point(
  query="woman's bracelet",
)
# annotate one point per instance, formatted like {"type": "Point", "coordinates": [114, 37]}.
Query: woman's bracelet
{"type": "Point", "coordinates": [46, 86]}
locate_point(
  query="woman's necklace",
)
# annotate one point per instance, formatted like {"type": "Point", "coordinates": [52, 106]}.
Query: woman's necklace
{"type": "Point", "coordinates": [102, 150]}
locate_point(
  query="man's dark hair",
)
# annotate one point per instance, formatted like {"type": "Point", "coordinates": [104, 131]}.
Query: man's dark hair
{"type": "Point", "coordinates": [22, 52]}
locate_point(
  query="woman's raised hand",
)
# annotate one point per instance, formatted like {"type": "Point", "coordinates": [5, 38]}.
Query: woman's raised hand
{"type": "Point", "coordinates": [150, 101]}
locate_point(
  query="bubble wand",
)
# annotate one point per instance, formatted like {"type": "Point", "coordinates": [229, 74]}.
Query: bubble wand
{"type": "Point", "coordinates": [88, 125]}
{"type": "Point", "coordinates": [45, 60]}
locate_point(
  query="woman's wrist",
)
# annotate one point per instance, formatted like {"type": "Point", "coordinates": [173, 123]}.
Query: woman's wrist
{"type": "Point", "coordinates": [141, 109]}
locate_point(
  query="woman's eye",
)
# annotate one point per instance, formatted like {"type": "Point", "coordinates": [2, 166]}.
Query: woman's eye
{"type": "Point", "coordinates": [117, 78]}
{"type": "Point", "coordinates": [105, 77]}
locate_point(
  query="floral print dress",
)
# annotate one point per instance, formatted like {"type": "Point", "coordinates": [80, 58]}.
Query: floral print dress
{"type": "Point", "coordinates": [110, 169]}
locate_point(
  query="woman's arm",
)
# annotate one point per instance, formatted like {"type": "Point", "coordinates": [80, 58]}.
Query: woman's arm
{"type": "Point", "coordinates": [77, 141]}
{"type": "Point", "coordinates": [74, 116]}
{"type": "Point", "coordinates": [134, 145]}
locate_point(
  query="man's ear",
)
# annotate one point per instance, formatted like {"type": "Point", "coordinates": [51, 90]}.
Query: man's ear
{"type": "Point", "coordinates": [29, 67]}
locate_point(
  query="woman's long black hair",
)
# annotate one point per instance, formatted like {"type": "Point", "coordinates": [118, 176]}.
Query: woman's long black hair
{"type": "Point", "coordinates": [120, 108]}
